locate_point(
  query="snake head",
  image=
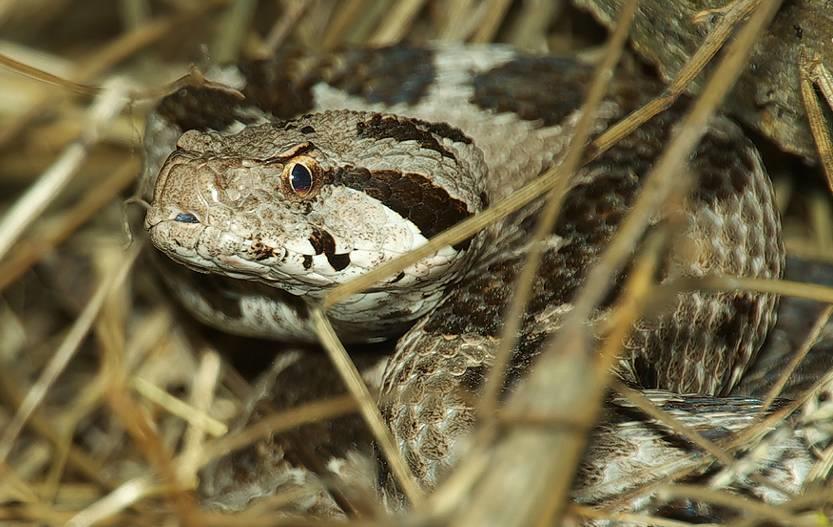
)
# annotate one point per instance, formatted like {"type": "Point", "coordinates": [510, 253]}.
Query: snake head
{"type": "Point", "coordinates": [310, 203]}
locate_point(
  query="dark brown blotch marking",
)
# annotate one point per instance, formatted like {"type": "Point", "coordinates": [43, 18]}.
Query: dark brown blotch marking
{"type": "Point", "coordinates": [307, 263]}
{"type": "Point", "coordinates": [323, 242]}
{"type": "Point", "coordinates": [695, 512]}
{"type": "Point", "coordinates": [447, 131]}
{"type": "Point", "coordinates": [200, 108]}
{"type": "Point", "coordinates": [390, 75]}
{"type": "Point", "coordinates": [524, 355]}
{"type": "Point", "coordinates": [260, 251]}
{"type": "Point", "coordinates": [725, 169]}
{"type": "Point", "coordinates": [307, 130]}
{"type": "Point", "coordinates": [533, 88]}
{"type": "Point", "coordinates": [477, 307]}
{"type": "Point", "coordinates": [412, 196]}
{"type": "Point", "coordinates": [277, 86]}
{"type": "Point", "coordinates": [592, 212]}
{"type": "Point", "coordinates": [401, 129]}
{"type": "Point", "coordinates": [338, 261]}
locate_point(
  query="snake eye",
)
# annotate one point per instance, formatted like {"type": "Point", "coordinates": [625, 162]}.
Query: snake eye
{"type": "Point", "coordinates": [186, 217]}
{"type": "Point", "coordinates": [300, 178]}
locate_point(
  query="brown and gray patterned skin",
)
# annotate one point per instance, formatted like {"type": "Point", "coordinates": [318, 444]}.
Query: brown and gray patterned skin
{"type": "Point", "coordinates": [400, 144]}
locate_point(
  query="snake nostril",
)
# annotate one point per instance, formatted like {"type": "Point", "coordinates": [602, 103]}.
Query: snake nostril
{"type": "Point", "coordinates": [186, 217]}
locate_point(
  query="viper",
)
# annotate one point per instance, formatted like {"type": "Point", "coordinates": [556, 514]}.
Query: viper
{"type": "Point", "coordinates": [327, 167]}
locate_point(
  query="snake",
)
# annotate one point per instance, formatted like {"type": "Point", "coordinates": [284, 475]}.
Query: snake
{"type": "Point", "coordinates": [285, 177]}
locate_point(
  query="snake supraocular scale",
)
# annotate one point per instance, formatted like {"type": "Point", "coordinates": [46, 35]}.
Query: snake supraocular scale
{"type": "Point", "coordinates": [332, 166]}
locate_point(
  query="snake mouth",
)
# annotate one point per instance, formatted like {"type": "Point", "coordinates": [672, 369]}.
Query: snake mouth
{"type": "Point", "coordinates": [204, 247]}
{"type": "Point", "coordinates": [307, 264]}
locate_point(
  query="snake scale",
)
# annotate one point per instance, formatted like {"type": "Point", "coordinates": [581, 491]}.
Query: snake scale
{"type": "Point", "coordinates": [330, 166]}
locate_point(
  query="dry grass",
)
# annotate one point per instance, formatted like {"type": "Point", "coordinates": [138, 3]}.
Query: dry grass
{"type": "Point", "coordinates": [109, 402]}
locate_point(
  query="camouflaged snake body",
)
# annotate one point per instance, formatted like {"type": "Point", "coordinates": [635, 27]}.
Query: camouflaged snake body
{"type": "Point", "coordinates": [332, 166]}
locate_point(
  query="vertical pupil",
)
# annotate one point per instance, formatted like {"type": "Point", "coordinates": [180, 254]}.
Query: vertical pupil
{"type": "Point", "coordinates": [300, 178]}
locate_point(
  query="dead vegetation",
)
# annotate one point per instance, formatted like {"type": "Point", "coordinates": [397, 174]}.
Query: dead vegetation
{"type": "Point", "coordinates": [110, 401]}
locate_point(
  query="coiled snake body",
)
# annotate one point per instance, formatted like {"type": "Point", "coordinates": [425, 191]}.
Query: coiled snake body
{"type": "Point", "coordinates": [330, 167]}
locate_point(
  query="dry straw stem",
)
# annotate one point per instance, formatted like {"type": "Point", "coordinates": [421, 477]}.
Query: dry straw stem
{"type": "Point", "coordinates": [461, 20]}
{"type": "Point", "coordinates": [712, 449]}
{"type": "Point", "coordinates": [808, 342]}
{"type": "Point", "coordinates": [821, 220]}
{"type": "Point", "coordinates": [76, 457]}
{"type": "Point", "coordinates": [321, 410]}
{"type": "Point", "coordinates": [367, 405]}
{"type": "Point", "coordinates": [754, 430]}
{"type": "Point", "coordinates": [819, 293]}
{"type": "Point", "coordinates": [46, 77]}
{"type": "Point", "coordinates": [126, 506]}
{"type": "Point", "coordinates": [396, 24]}
{"type": "Point", "coordinates": [235, 24]}
{"type": "Point", "coordinates": [202, 397]}
{"type": "Point", "coordinates": [660, 182]}
{"type": "Point", "coordinates": [637, 519]}
{"type": "Point", "coordinates": [523, 288]}
{"type": "Point", "coordinates": [147, 439]}
{"type": "Point", "coordinates": [133, 491]}
{"type": "Point", "coordinates": [30, 251]}
{"type": "Point", "coordinates": [284, 25]}
{"type": "Point", "coordinates": [246, 519]}
{"type": "Point", "coordinates": [339, 355]}
{"type": "Point", "coordinates": [63, 354]}
{"type": "Point", "coordinates": [528, 30]}
{"type": "Point", "coordinates": [121, 48]}
{"type": "Point", "coordinates": [26, 209]}
{"type": "Point", "coordinates": [344, 19]}
{"type": "Point", "coordinates": [759, 511]}
{"type": "Point", "coordinates": [187, 412]}
{"type": "Point", "coordinates": [813, 72]}
{"type": "Point", "coordinates": [533, 483]}
{"type": "Point", "coordinates": [820, 472]}
{"type": "Point", "coordinates": [682, 468]}
{"type": "Point", "coordinates": [656, 190]}
{"type": "Point", "coordinates": [805, 247]}
{"type": "Point", "coordinates": [522, 453]}
{"type": "Point", "coordinates": [356, 20]}
{"type": "Point", "coordinates": [488, 26]}
{"type": "Point", "coordinates": [108, 507]}
{"type": "Point", "coordinates": [733, 13]}
{"type": "Point", "coordinates": [548, 180]}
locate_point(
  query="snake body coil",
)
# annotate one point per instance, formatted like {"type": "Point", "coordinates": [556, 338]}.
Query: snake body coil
{"type": "Point", "coordinates": [330, 167]}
